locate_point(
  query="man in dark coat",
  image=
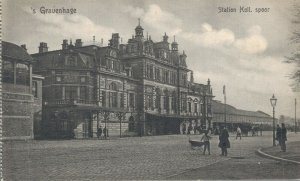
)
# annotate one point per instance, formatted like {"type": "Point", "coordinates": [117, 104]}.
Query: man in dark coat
{"type": "Point", "coordinates": [278, 133]}
{"type": "Point", "coordinates": [224, 141]}
{"type": "Point", "coordinates": [283, 138]}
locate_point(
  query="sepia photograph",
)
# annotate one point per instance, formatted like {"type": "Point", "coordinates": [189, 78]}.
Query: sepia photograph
{"type": "Point", "coordinates": [150, 90]}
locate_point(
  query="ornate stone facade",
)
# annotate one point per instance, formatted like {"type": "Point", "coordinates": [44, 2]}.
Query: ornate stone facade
{"type": "Point", "coordinates": [140, 87]}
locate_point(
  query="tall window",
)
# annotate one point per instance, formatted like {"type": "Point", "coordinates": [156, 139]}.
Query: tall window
{"type": "Point", "coordinates": [149, 101]}
{"type": "Point", "coordinates": [113, 99]}
{"type": "Point", "coordinates": [113, 95]}
{"type": "Point", "coordinates": [57, 93]}
{"type": "Point", "coordinates": [189, 106]}
{"type": "Point", "coordinates": [166, 101]}
{"type": "Point", "coordinates": [183, 101]}
{"type": "Point", "coordinates": [195, 107]}
{"type": "Point", "coordinates": [131, 100]}
{"type": "Point", "coordinates": [151, 71]}
{"type": "Point", "coordinates": [103, 98]}
{"type": "Point", "coordinates": [174, 102]}
{"type": "Point", "coordinates": [157, 74]}
{"type": "Point", "coordinates": [122, 100]}
{"type": "Point", "coordinates": [83, 94]}
{"type": "Point", "coordinates": [157, 102]}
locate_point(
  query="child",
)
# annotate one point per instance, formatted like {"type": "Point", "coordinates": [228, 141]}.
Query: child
{"type": "Point", "coordinates": [205, 138]}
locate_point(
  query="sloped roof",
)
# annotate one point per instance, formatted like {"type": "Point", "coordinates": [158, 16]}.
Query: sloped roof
{"type": "Point", "coordinates": [218, 107]}
{"type": "Point", "coordinates": [14, 51]}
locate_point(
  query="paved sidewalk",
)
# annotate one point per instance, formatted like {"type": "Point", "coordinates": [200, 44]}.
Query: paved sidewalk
{"type": "Point", "coordinates": [292, 151]}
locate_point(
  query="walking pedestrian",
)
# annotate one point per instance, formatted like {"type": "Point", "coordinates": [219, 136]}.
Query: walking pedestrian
{"type": "Point", "coordinates": [205, 138]}
{"type": "Point", "coordinates": [238, 133]}
{"type": "Point", "coordinates": [224, 141]}
{"type": "Point", "coordinates": [283, 138]}
{"type": "Point", "coordinates": [278, 133]}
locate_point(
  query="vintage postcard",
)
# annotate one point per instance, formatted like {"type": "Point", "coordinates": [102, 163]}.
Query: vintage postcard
{"type": "Point", "coordinates": [150, 89]}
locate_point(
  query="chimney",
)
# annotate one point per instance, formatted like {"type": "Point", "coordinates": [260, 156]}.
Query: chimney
{"type": "Point", "coordinates": [43, 47]}
{"type": "Point", "coordinates": [65, 44]}
{"type": "Point", "coordinates": [192, 77]}
{"type": "Point", "coordinates": [78, 43]}
{"type": "Point", "coordinates": [24, 47]}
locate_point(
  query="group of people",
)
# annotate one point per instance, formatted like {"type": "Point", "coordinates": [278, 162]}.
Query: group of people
{"type": "Point", "coordinates": [101, 131]}
{"type": "Point", "coordinates": [223, 141]}
{"type": "Point", "coordinates": [281, 136]}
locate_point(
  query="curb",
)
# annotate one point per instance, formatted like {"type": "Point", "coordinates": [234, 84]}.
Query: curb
{"type": "Point", "coordinates": [263, 154]}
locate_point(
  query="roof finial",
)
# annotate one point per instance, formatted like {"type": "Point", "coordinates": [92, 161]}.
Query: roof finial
{"type": "Point", "coordinates": [174, 39]}
{"type": "Point", "coordinates": [139, 21]}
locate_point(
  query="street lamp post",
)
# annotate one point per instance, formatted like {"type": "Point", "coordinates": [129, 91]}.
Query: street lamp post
{"type": "Point", "coordinates": [273, 101]}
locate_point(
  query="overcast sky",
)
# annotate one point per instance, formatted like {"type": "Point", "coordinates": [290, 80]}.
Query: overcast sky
{"type": "Point", "coordinates": [243, 51]}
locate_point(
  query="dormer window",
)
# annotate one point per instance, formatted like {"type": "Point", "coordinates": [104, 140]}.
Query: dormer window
{"type": "Point", "coordinates": [71, 62]}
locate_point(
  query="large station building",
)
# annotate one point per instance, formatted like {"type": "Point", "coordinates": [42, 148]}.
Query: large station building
{"type": "Point", "coordinates": [141, 87]}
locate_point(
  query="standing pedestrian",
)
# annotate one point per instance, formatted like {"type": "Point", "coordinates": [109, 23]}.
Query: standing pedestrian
{"type": "Point", "coordinates": [205, 138]}
{"type": "Point", "coordinates": [183, 128]}
{"type": "Point", "coordinates": [283, 138]}
{"type": "Point", "coordinates": [224, 141]}
{"type": "Point", "coordinates": [105, 132]}
{"type": "Point", "coordinates": [99, 132]}
{"type": "Point", "coordinates": [238, 133]}
{"type": "Point", "coordinates": [278, 133]}
{"type": "Point", "coordinates": [189, 129]}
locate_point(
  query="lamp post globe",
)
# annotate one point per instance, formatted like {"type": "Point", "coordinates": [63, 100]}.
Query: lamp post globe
{"type": "Point", "coordinates": [273, 102]}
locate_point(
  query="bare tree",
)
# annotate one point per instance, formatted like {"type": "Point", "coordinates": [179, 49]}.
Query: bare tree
{"type": "Point", "coordinates": [295, 56]}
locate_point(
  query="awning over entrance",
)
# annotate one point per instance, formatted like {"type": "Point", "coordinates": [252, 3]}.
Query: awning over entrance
{"type": "Point", "coordinates": [174, 116]}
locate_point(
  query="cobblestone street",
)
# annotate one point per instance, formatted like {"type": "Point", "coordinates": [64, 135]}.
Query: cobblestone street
{"type": "Point", "coordinates": [156, 157]}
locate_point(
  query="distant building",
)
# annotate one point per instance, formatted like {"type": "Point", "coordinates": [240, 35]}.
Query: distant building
{"type": "Point", "coordinates": [236, 117]}
{"type": "Point", "coordinates": [21, 91]}
{"type": "Point", "coordinates": [140, 87]}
